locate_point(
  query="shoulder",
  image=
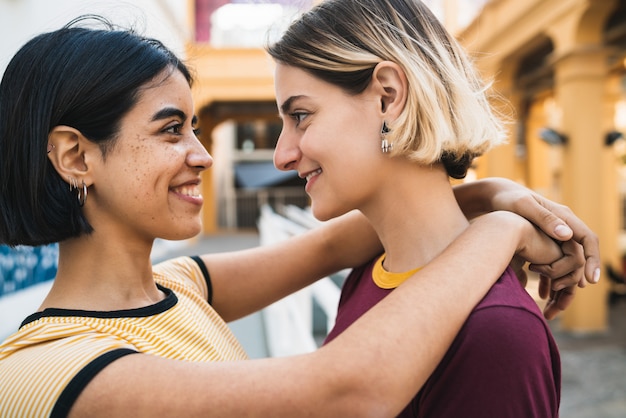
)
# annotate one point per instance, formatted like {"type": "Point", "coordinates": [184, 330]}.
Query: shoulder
{"type": "Point", "coordinates": [506, 319]}
{"type": "Point", "coordinates": [183, 274]}
{"type": "Point", "coordinates": [508, 291]}
{"type": "Point", "coordinates": [503, 362]}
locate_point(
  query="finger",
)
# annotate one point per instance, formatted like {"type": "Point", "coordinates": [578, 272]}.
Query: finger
{"type": "Point", "coordinates": [590, 243]}
{"type": "Point", "coordinates": [546, 215]}
{"type": "Point", "coordinates": [569, 280]}
{"type": "Point", "coordinates": [558, 221]}
{"type": "Point", "coordinates": [544, 286]}
{"type": "Point", "coordinates": [568, 269]}
{"type": "Point", "coordinates": [559, 302]}
{"type": "Point", "coordinates": [592, 259]}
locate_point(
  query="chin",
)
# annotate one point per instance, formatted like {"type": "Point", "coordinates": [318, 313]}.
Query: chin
{"type": "Point", "coordinates": [183, 233]}
{"type": "Point", "coordinates": [322, 214]}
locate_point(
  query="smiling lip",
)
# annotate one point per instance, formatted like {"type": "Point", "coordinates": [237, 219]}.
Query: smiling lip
{"type": "Point", "coordinates": [312, 174]}
{"type": "Point", "coordinates": [310, 178]}
{"type": "Point", "coordinates": [189, 192]}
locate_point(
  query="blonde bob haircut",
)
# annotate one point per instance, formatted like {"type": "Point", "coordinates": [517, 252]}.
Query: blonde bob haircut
{"type": "Point", "coordinates": [447, 117]}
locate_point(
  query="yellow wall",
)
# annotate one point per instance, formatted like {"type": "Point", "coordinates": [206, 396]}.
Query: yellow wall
{"type": "Point", "coordinates": [230, 74]}
{"type": "Point", "coordinates": [582, 174]}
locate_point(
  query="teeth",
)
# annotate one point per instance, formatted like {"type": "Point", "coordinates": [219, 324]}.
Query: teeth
{"type": "Point", "coordinates": [315, 173]}
{"type": "Point", "coordinates": [189, 190]}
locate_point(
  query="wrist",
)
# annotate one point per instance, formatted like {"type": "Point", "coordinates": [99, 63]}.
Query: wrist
{"type": "Point", "coordinates": [512, 230]}
{"type": "Point", "coordinates": [476, 198]}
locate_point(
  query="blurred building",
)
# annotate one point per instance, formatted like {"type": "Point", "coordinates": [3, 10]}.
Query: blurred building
{"type": "Point", "coordinates": [560, 65]}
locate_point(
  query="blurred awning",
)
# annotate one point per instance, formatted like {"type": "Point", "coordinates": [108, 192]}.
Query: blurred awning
{"type": "Point", "coordinates": [254, 175]}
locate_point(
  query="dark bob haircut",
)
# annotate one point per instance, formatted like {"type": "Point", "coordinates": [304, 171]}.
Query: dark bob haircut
{"type": "Point", "coordinates": [82, 77]}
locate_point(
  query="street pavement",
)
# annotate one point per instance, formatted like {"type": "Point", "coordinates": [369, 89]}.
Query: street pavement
{"type": "Point", "coordinates": [594, 369]}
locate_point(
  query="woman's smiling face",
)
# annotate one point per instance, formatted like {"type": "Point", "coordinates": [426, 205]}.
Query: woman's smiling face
{"type": "Point", "coordinates": [149, 182]}
{"type": "Point", "coordinates": [331, 138]}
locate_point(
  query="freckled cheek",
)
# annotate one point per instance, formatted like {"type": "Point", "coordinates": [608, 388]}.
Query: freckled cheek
{"type": "Point", "coordinates": [152, 166]}
{"type": "Point", "coordinates": [147, 171]}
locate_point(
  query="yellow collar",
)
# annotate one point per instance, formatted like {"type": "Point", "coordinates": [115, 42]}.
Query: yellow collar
{"type": "Point", "coordinates": [388, 280]}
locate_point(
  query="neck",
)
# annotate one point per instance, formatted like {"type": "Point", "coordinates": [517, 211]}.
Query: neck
{"type": "Point", "coordinates": [103, 274]}
{"type": "Point", "coordinates": [415, 215]}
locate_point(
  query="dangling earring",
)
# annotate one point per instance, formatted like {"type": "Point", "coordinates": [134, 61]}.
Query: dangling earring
{"type": "Point", "coordinates": [82, 197]}
{"type": "Point", "coordinates": [82, 192]}
{"type": "Point", "coordinates": [385, 145]}
{"type": "Point", "coordinates": [73, 183]}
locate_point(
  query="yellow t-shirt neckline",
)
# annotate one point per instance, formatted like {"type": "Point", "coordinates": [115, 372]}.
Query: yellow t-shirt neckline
{"type": "Point", "coordinates": [388, 280]}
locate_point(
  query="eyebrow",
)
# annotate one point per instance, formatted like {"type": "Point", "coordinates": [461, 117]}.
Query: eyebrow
{"type": "Point", "coordinates": [168, 112]}
{"type": "Point", "coordinates": [284, 108]}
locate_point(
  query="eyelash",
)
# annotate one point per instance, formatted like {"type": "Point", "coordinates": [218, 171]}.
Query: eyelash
{"type": "Point", "coordinates": [175, 129]}
{"type": "Point", "coordinates": [298, 117]}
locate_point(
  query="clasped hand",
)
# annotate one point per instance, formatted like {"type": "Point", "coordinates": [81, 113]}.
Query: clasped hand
{"type": "Point", "coordinates": [578, 260]}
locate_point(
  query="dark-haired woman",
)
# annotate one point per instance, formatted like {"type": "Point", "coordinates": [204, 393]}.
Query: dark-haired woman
{"type": "Point", "coordinates": [380, 108]}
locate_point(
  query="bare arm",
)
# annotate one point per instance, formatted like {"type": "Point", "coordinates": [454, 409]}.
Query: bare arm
{"type": "Point", "coordinates": [246, 281]}
{"type": "Point", "coordinates": [416, 323]}
{"type": "Point", "coordinates": [556, 220]}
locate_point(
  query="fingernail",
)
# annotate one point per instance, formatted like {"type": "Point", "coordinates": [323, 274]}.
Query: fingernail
{"type": "Point", "coordinates": [563, 231]}
{"type": "Point", "coordinates": [596, 275]}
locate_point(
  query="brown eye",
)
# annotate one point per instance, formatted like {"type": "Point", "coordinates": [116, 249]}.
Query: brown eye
{"type": "Point", "coordinates": [298, 117]}
{"type": "Point", "coordinates": [174, 129]}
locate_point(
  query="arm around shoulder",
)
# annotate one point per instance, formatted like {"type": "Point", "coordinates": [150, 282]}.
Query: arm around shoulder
{"type": "Point", "coordinates": [417, 323]}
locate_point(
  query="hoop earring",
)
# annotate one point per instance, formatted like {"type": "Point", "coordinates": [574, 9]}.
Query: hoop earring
{"type": "Point", "coordinates": [82, 191]}
{"type": "Point", "coordinates": [82, 195]}
{"type": "Point", "coordinates": [385, 145]}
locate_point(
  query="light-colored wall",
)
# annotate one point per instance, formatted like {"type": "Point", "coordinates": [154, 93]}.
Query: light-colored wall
{"type": "Point", "coordinates": [20, 20]}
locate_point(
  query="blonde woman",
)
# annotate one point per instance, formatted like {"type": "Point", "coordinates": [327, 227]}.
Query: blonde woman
{"type": "Point", "coordinates": [380, 107]}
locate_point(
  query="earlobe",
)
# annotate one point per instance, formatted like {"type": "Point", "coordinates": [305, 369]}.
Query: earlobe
{"type": "Point", "coordinates": [393, 85]}
{"type": "Point", "coordinates": [66, 151]}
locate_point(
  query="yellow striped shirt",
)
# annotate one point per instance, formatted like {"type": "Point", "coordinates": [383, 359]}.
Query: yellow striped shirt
{"type": "Point", "coordinates": [46, 364]}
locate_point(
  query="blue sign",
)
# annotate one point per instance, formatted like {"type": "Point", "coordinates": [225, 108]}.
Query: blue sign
{"type": "Point", "coordinates": [22, 266]}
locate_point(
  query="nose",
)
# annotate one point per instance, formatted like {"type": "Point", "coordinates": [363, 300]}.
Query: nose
{"type": "Point", "coordinates": [198, 156]}
{"type": "Point", "coordinates": [287, 153]}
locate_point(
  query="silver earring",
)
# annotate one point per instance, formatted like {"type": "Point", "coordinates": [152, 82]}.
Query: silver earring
{"type": "Point", "coordinates": [81, 192]}
{"type": "Point", "coordinates": [385, 145]}
{"type": "Point", "coordinates": [73, 183]}
{"type": "Point", "coordinates": [82, 195]}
